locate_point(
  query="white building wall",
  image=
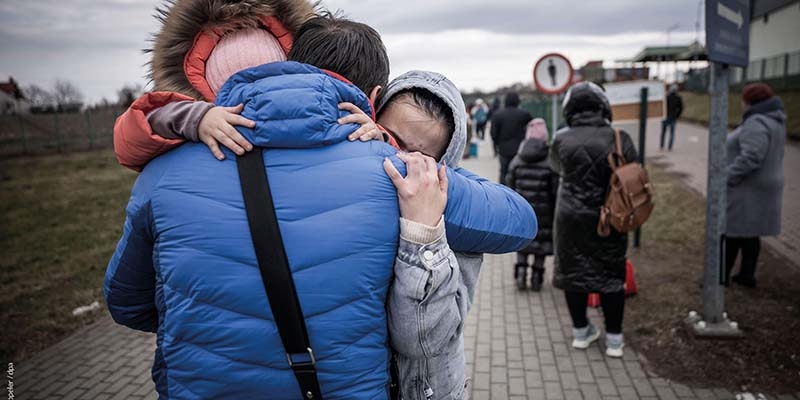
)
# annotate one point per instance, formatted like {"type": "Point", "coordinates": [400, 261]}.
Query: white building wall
{"type": "Point", "coordinates": [779, 35]}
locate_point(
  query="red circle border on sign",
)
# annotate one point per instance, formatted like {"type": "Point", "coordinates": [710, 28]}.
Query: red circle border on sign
{"type": "Point", "coordinates": [560, 90]}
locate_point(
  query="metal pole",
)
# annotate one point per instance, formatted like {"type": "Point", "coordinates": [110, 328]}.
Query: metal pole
{"type": "Point", "coordinates": [713, 290]}
{"type": "Point", "coordinates": [637, 236]}
{"type": "Point", "coordinates": [554, 116]}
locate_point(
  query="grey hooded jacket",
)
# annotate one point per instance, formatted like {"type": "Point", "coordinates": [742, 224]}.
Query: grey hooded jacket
{"type": "Point", "coordinates": [433, 287]}
{"type": "Point", "coordinates": [755, 171]}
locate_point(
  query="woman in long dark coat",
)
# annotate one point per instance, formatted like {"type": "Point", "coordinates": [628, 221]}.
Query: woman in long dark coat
{"type": "Point", "coordinates": [585, 262]}
{"type": "Point", "coordinates": [755, 179]}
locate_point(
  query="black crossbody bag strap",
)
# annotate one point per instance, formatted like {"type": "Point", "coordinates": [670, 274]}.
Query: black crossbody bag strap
{"type": "Point", "coordinates": [275, 272]}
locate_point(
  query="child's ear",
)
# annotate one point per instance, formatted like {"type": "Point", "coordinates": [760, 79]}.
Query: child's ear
{"type": "Point", "coordinates": [373, 95]}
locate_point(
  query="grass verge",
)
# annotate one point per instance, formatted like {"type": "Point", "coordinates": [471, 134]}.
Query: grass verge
{"type": "Point", "coordinates": [60, 219]}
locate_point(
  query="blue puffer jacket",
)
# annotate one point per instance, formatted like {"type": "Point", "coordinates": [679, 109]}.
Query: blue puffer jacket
{"type": "Point", "coordinates": [186, 269]}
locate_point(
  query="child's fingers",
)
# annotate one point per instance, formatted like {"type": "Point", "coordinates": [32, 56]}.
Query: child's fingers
{"type": "Point", "coordinates": [360, 119]}
{"type": "Point", "coordinates": [235, 110]}
{"type": "Point", "coordinates": [350, 107]}
{"type": "Point", "coordinates": [226, 141]}
{"type": "Point", "coordinates": [393, 173]}
{"type": "Point", "coordinates": [237, 137]}
{"type": "Point", "coordinates": [214, 147]}
{"type": "Point", "coordinates": [358, 133]}
{"type": "Point", "coordinates": [236, 119]}
{"type": "Point", "coordinates": [373, 134]}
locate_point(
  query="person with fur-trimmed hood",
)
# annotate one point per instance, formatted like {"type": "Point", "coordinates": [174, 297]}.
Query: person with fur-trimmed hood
{"type": "Point", "coordinates": [186, 65]}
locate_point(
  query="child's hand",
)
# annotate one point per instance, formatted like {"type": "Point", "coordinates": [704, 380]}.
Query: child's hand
{"type": "Point", "coordinates": [368, 130]}
{"type": "Point", "coordinates": [217, 127]}
{"type": "Point", "coordinates": [422, 194]}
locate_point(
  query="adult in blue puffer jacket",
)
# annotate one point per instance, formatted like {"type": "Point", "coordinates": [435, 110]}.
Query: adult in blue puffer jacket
{"type": "Point", "coordinates": [186, 269]}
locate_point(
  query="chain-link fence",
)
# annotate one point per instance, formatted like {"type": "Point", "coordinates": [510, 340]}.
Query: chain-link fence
{"type": "Point", "coordinates": [57, 132]}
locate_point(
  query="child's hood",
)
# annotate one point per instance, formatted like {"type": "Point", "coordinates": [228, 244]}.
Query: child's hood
{"type": "Point", "coordinates": [191, 28]}
{"type": "Point", "coordinates": [439, 85]}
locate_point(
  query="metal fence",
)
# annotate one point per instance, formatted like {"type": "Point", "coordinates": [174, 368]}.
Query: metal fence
{"type": "Point", "coordinates": [543, 109]}
{"type": "Point", "coordinates": [782, 72]}
{"type": "Point", "coordinates": [57, 132]}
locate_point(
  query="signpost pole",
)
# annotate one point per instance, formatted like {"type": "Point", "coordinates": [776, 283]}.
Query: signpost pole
{"type": "Point", "coordinates": [637, 236]}
{"type": "Point", "coordinates": [713, 291]}
{"type": "Point", "coordinates": [715, 321]}
{"type": "Point", "coordinates": [554, 116]}
{"type": "Point", "coordinates": [727, 40]}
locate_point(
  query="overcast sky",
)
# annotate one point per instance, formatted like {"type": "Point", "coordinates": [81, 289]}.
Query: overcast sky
{"type": "Point", "coordinates": [477, 43]}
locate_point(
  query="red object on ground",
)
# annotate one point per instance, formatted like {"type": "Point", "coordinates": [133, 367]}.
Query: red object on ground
{"type": "Point", "coordinates": [594, 300]}
{"type": "Point", "coordinates": [630, 280]}
{"type": "Point", "coordinates": [630, 286]}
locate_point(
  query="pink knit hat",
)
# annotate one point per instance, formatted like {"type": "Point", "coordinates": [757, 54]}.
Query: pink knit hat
{"type": "Point", "coordinates": [537, 129]}
{"type": "Point", "coordinates": [240, 50]}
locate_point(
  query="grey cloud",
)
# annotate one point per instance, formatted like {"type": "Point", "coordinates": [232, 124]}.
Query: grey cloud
{"type": "Point", "coordinates": [523, 16]}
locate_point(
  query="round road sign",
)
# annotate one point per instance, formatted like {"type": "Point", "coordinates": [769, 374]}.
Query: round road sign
{"type": "Point", "coordinates": [552, 74]}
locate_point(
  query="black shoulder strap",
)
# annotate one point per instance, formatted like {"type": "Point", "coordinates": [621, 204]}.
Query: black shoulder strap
{"type": "Point", "coordinates": [275, 272]}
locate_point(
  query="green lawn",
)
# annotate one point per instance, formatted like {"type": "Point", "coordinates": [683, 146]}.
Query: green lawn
{"type": "Point", "coordinates": [60, 219]}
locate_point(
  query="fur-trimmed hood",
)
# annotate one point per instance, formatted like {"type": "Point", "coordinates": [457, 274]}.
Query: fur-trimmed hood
{"type": "Point", "coordinates": [183, 20]}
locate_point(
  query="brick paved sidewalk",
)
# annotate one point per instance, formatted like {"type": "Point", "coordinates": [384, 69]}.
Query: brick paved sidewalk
{"type": "Point", "coordinates": [517, 344]}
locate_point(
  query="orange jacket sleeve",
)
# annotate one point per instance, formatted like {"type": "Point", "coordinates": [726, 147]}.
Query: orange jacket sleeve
{"type": "Point", "coordinates": [135, 143]}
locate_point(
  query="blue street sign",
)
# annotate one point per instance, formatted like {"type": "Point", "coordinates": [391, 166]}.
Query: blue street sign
{"type": "Point", "coordinates": [728, 31]}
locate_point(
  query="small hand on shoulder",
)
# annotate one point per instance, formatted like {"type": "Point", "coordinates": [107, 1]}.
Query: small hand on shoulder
{"type": "Point", "coordinates": [368, 130]}
{"type": "Point", "coordinates": [218, 126]}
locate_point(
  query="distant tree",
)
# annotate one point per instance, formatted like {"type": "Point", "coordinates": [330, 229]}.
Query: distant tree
{"type": "Point", "coordinates": [38, 96]}
{"type": "Point", "coordinates": [128, 94]}
{"type": "Point", "coordinates": [66, 93]}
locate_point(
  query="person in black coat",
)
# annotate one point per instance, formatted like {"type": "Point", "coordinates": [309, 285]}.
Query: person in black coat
{"type": "Point", "coordinates": [508, 131]}
{"type": "Point", "coordinates": [674, 111]}
{"type": "Point", "coordinates": [531, 176]}
{"type": "Point", "coordinates": [585, 262]}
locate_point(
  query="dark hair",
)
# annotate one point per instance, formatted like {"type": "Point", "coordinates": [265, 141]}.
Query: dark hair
{"type": "Point", "coordinates": [430, 104]}
{"type": "Point", "coordinates": [348, 48]}
{"type": "Point", "coordinates": [512, 99]}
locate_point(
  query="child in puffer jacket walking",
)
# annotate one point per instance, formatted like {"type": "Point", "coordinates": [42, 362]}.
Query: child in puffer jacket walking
{"type": "Point", "coordinates": [531, 176]}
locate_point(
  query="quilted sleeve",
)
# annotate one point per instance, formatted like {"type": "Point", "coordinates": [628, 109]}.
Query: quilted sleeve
{"type": "Point", "coordinates": [135, 143]}
{"type": "Point", "coordinates": [130, 281]}
{"type": "Point", "coordinates": [486, 217]}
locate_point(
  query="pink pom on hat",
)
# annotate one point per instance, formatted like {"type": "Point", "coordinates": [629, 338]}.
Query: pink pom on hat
{"type": "Point", "coordinates": [240, 50]}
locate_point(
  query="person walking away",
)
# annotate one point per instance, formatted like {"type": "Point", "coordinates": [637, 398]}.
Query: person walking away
{"type": "Point", "coordinates": [508, 131]}
{"type": "Point", "coordinates": [585, 262]}
{"type": "Point", "coordinates": [755, 179]}
{"type": "Point", "coordinates": [480, 116]}
{"type": "Point", "coordinates": [674, 111]}
{"type": "Point", "coordinates": [532, 177]}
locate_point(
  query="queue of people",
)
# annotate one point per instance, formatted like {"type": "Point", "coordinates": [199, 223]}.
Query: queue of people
{"type": "Point", "coordinates": [569, 191]}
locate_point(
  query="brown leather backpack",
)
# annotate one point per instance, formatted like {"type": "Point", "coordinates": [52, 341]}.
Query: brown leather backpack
{"type": "Point", "coordinates": [629, 200]}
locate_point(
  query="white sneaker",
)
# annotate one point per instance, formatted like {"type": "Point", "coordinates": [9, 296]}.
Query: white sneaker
{"type": "Point", "coordinates": [584, 337]}
{"type": "Point", "coordinates": [614, 345]}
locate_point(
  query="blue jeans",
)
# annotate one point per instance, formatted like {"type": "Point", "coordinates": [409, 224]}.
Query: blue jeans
{"type": "Point", "coordinates": [664, 124]}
